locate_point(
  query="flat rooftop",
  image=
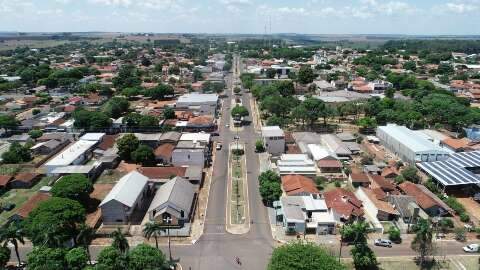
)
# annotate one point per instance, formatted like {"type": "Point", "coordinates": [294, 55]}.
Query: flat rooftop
{"type": "Point", "coordinates": [71, 153]}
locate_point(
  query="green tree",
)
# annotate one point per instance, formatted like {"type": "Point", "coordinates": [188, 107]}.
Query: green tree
{"type": "Point", "coordinates": [127, 145]}
{"type": "Point", "coordinates": [259, 147]}
{"type": "Point", "coordinates": [76, 258]}
{"type": "Point", "coordinates": [115, 107]}
{"type": "Point", "coordinates": [303, 256]}
{"type": "Point", "coordinates": [269, 186]}
{"type": "Point", "coordinates": [139, 120]}
{"type": "Point", "coordinates": [35, 133]}
{"type": "Point", "coordinates": [239, 111]}
{"type": "Point", "coordinates": [120, 242]}
{"type": "Point", "coordinates": [153, 229]}
{"type": "Point", "coordinates": [197, 75]}
{"type": "Point", "coordinates": [12, 234]}
{"type": "Point", "coordinates": [17, 153]}
{"type": "Point", "coordinates": [4, 256]}
{"type": "Point", "coordinates": [363, 257]}
{"type": "Point", "coordinates": [270, 73]}
{"type": "Point", "coordinates": [111, 258]}
{"type": "Point", "coordinates": [305, 75]}
{"type": "Point", "coordinates": [394, 234]}
{"type": "Point", "coordinates": [410, 174]}
{"type": "Point", "coordinates": [85, 237]}
{"type": "Point", "coordinates": [169, 113]}
{"type": "Point", "coordinates": [160, 92]}
{"type": "Point", "coordinates": [313, 108]}
{"type": "Point", "coordinates": [145, 257]}
{"type": "Point", "coordinates": [46, 258]}
{"type": "Point", "coordinates": [127, 77]}
{"type": "Point", "coordinates": [143, 155]}
{"type": "Point", "coordinates": [73, 186]}
{"type": "Point", "coordinates": [423, 241]}
{"type": "Point", "coordinates": [54, 222]}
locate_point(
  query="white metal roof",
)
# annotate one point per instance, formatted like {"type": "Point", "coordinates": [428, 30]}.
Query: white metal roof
{"type": "Point", "coordinates": [83, 169]}
{"type": "Point", "coordinates": [411, 139]}
{"type": "Point", "coordinates": [127, 189]}
{"type": "Point", "coordinates": [71, 153]}
{"type": "Point", "coordinates": [199, 137]}
{"type": "Point", "coordinates": [196, 98]}
{"type": "Point", "coordinates": [92, 136]}
{"type": "Point", "coordinates": [272, 131]}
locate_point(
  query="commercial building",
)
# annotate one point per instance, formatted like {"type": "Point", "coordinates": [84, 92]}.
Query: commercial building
{"type": "Point", "coordinates": [408, 145]}
{"type": "Point", "coordinates": [204, 104]}
{"type": "Point", "coordinates": [274, 140]}
{"type": "Point", "coordinates": [75, 154]}
{"type": "Point", "coordinates": [296, 164]}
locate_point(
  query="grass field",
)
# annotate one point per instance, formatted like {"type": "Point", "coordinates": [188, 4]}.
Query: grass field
{"type": "Point", "coordinates": [109, 177]}
{"type": "Point", "coordinates": [19, 197]}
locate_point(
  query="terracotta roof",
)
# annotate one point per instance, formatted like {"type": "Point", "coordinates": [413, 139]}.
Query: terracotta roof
{"type": "Point", "coordinates": [108, 141]}
{"type": "Point", "coordinates": [162, 172]}
{"type": "Point", "coordinates": [32, 203]}
{"type": "Point", "coordinates": [456, 143]}
{"type": "Point", "coordinates": [164, 150]}
{"type": "Point", "coordinates": [359, 178]}
{"type": "Point", "coordinates": [293, 149]}
{"type": "Point", "coordinates": [423, 199]}
{"type": "Point", "coordinates": [4, 179]}
{"type": "Point", "coordinates": [203, 120]}
{"type": "Point", "coordinates": [379, 193]}
{"type": "Point", "coordinates": [344, 202]}
{"type": "Point", "coordinates": [381, 205]}
{"type": "Point", "coordinates": [69, 108]}
{"type": "Point", "coordinates": [329, 163]}
{"type": "Point", "coordinates": [390, 172]}
{"type": "Point", "coordinates": [26, 177]}
{"type": "Point", "coordinates": [293, 184]}
{"type": "Point", "coordinates": [382, 183]}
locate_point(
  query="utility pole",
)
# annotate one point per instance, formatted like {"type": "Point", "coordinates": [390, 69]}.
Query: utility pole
{"type": "Point", "coordinates": [341, 244]}
{"type": "Point", "coordinates": [168, 220]}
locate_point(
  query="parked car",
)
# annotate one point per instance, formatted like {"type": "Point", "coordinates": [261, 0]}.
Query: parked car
{"type": "Point", "coordinates": [236, 137]}
{"type": "Point", "coordinates": [383, 243]}
{"type": "Point", "coordinates": [219, 146]}
{"type": "Point", "coordinates": [472, 248]}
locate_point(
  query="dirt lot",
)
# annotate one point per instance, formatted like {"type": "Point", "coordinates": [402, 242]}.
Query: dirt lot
{"type": "Point", "coordinates": [472, 207]}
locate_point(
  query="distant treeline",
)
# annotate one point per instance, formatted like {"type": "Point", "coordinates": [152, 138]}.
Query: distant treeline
{"type": "Point", "coordinates": [453, 45]}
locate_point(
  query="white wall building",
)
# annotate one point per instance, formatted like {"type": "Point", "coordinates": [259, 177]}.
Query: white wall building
{"type": "Point", "coordinates": [408, 145]}
{"type": "Point", "coordinates": [205, 104]}
{"type": "Point", "coordinates": [274, 140]}
{"type": "Point", "coordinates": [75, 154]}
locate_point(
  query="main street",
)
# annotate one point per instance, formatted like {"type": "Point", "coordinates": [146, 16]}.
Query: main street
{"type": "Point", "coordinates": [217, 249]}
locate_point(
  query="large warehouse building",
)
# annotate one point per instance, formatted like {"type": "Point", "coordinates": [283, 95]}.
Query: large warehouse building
{"type": "Point", "coordinates": [458, 170]}
{"type": "Point", "coordinates": [408, 145]}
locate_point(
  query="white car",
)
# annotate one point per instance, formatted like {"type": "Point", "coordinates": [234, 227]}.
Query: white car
{"type": "Point", "coordinates": [472, 248]}
{"type": "Point", "coordinates": [383, 243]}
{"type": "Point", "coordinates": [219, 146]}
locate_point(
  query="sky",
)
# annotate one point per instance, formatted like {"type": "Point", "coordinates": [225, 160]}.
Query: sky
{"type": "Point", "coordinates": [414, 17]}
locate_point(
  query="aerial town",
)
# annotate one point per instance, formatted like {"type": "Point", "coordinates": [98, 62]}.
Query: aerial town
{"type": "Point", "coordinates": [183, 151]}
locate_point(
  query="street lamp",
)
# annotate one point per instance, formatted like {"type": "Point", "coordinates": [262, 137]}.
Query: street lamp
{"type": "Point", "coordinates": [168, 221]}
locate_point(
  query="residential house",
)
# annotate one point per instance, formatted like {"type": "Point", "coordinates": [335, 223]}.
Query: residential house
{"type": "Point", "coordinates": [189, 153]}
{"type": "Point", "coordinates": [344, 203]}
{"type": "Point", "coordinates": [375, 208]}
{"type": "Point", "coordinates": [359, 179]}
{"type": "Point", "coordinates": [171, 137]}
{"type": "Point", "coordinates": [429, 202]}
{"type": "Point", "coordinates": [378, 181]}
{"type": "Point", "coordinates": [48, 147]}
{"type": "Point", "coordinates": [25, 180]}
{"type": "Point", "coordinates": [298, 185]}
{"type": "Point", "coordinates": [160, 175]}
{"type": "Point", "coordinates": [173, 200]}
{"type": "Point", "coordinates": [128, 194]}
{"type": "Point", "coordinates": [150, 139]}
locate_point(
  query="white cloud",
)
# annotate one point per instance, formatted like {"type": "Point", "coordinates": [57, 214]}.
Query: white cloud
{"type": "Point", "coordinates": [236, 2]}
{"type": "Point", "coordinates": [124, 3]}
{"type": "Point", "coordinates": [460, 8]}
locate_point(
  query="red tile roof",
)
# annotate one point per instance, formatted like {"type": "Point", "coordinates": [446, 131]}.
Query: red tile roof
{"type": "Point", "coordinates": [26, 177]}
{"type": "Point", "coordinates": [359, 178]}
{"type": "Point", "coordinates": [32, 203]}
{"type": "Point", "coordinates": [382, 183]}
{"type": "Point", "coordinates": [108, 141]}
{"type": "Point", "coordinates": [379, 204]}
{"type": "Point", "coordinates": [4, 179]}
{"type": "Point", "coordinates": [164, 150]}
{"type": "Point", "coordinates": [423, 199]}
{"type": "Point", "coordinates": [344, 202]}
{"type": "Point", "coordinates": [390, 172]}
{"type": "Point", "coordinates": [162, 172]}
{"type": "Point", "coordinates": [295, 184]}
{"type": "Point", "coordinates": [329, 163]}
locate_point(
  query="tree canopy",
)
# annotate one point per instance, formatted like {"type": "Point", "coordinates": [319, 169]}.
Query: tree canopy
{"type": "Point", "coordinates": [143, 155]}
{"type": "Point", "coordinates": [127, 145]}
{"type": "Point", "coordinates": [74, 186]}
{"type": "Point", "coordinates": [303, 256]}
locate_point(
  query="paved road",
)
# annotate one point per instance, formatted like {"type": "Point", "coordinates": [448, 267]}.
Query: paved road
{"type": "Point", "coordinates": [216, 249]}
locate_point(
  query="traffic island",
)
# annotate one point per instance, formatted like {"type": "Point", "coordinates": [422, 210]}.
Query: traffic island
{"type": "Point", "coordinates": [238, 221]}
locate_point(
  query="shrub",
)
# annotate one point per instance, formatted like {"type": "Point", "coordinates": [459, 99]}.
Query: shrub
{"type": "Point", "coordinates": [394, 235]}
{"type": "Point", "coordinates": [464, 217]}
{"type": "Point", "coordinates": [460, 234]}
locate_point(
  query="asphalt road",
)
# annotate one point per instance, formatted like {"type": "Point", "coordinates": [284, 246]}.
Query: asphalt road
{"type": "Point", "coordinates": [217, 249]}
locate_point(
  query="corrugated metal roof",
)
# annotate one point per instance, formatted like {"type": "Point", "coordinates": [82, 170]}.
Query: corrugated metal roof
{"type": "Point", "coordinates": [127, 189]}
{"type": "Point", "coordinates": [411, 139]}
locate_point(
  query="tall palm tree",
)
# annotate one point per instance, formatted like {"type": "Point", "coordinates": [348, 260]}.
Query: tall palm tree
{"type": "Point", "coordinates": [14, 234]}
{"type": "Point", "coordinates": [120, 242]}
{"type": "Point", "coordinates": [85, 236]}
{"type": "Point", "coordinates": [152, 229]}
{"type": "Point", "coordinates": [423, 241]}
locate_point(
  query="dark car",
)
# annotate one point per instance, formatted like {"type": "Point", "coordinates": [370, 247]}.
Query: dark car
{"type": "Point", "coordinates": [8, 206]}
